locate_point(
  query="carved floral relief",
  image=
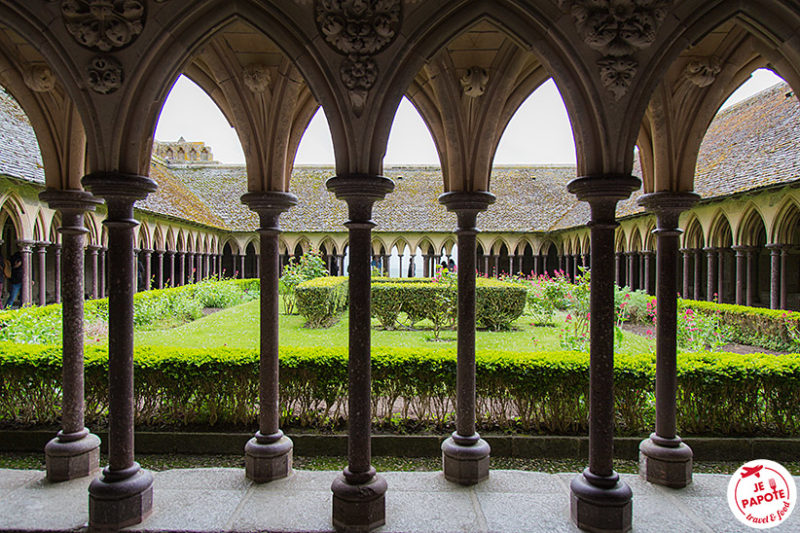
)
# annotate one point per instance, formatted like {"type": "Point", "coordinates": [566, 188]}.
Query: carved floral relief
{"type": "Point", "coordinates": [103, 24]}
{"type": "Point", "coordinates": [104, 74]}
{"type": "Point", "coordinates": [358, 29]}
{"type": "Point", "coordinates": [618, 29]}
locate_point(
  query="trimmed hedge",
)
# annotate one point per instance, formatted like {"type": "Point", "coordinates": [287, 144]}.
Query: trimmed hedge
{"type": "Point", "coordinates": [774, 329]}
{"type": "Point", "coordinates": [497, 305]}
{"type": "Point", "coordinates": [718, 393]}
{"type": "Point", "coordinates": [322, 300]}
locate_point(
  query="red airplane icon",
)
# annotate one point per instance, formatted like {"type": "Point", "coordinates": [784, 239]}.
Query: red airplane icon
{"type": "Point", "coordinates": [750, 471]}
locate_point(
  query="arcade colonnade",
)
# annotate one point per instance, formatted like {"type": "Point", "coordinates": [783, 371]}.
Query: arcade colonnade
{"type": "Point", "coordinates": [92, 77]}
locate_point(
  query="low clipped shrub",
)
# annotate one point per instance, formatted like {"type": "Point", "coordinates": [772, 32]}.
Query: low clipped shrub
{"type": "Point", "coordinates": [718, 393]}
{"type": "Point", "coordinates": [498, 303]}
{"type": "Point", "coordinates": [321, 300]}
{"type": "Point", "coordinates": [774, 329]}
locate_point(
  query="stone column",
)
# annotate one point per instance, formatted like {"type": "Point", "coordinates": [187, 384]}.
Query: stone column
{"type": "Point", "coordinates": [26, 250]}
{"type": "Point", "coordinates": [663, 458]}
{"type": "Point", "coordinates": [189, 268]}
{"type": "Point", "coordinates": [599, 500]}
{"type": "Point", "coordinates": [57, 273]}
{"type": "Point", "coordinates": [631, 270]}
{"type": "Point", "coordinates": [784, 288]}
{"type": "Point", "coordinates": [775, 275]}
{"type": "Point", "coordinates": [102, 268]}
{"type": "Point", "coordinates": [148, 269]}
{"type": "Point", "coordinates": [752, 284]}
{"type": "Point", "coordinates": [41, 254]}
{"type": "Point", "coordinates": [181, 269]}
{"type": "Point", "coordinates": [687, 264]}
{"type": "Point", "coordinates": [648, 279]}
{"type": "Point", "coordinates": [741, 273]}
{"type": "Point", "coordinates": [465, 456]}
{"type": "Point", "coordinates": [124, 494]}
{"type": "Point", "coordinates": [698, 270]}
{"type": "Point", "coordinates": [258, 266]}
{"type": "Point", "coordinates": [74, 452]}
{"type": "Point", "coordinates": [160, 269]}
{"type": "Point", "coordinates": [93, 268]}
{"type": "Point", "coordinates": [268, 455]}
{"type": "Point", "coordinates": [359, 501]}
{"type": "Point", "coordinates": [171, 268]}
{"type": "Point", "coordinates": [618, 268]}
{"type": "Point", "coordinates": [721, 276]}
{"type": "Point", "coordinates": [711, 281]}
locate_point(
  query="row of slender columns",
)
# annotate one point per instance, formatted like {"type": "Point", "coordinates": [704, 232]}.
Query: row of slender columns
{"type": "Point", "coordinates": [634, 270]}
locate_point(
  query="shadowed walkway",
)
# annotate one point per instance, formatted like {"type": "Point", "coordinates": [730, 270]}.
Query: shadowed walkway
{"type": "Point", "coordinates": [222, 499]}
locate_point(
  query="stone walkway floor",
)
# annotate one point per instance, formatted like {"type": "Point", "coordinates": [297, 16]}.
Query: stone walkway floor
{"type": "Point", "coordinates": [221, 499]}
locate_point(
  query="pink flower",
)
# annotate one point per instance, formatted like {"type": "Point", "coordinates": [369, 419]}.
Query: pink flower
{"type": "Point", "coordinates": [649, 332]}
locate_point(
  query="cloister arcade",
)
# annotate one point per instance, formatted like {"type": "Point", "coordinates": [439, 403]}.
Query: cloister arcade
{"type": "Point", "coordinates": [92, 77]}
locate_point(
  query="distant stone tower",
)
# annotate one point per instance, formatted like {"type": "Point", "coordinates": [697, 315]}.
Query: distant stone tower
{"type": "Point", "coordinates": [184, 153]}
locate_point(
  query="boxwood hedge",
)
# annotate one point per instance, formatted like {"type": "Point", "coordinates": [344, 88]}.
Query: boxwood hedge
{"type": "Point", "coordinates": [321, 300]}
{"type": "Point", "coordinates": [718, 393]}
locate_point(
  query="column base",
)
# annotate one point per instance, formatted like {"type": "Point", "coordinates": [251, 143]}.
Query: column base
{"type": "Point", "coordinates": [120, 499]}
{"type": "Point", "coordinates": [72, 455]}
{"type": "Point", "coordinates": [361, 507]}
{"type": "Point", "coordinates": [670, 465]}
{"type": "Point", "coordinates": [266, 461]}
{"type": "Point", "coordinates": [602, 507]}
{"type": "Point", "coordinates": [465, 460]}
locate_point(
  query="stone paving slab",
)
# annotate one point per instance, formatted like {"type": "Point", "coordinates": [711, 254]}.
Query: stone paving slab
{"type": "Point", "coordinates": [222, 499]}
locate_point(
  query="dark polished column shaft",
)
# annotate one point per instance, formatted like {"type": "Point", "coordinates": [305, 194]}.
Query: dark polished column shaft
{"type": "Point", "coordinates": [123, 495]}
{"type": "Point", "coordinates": [26, 250]}
{"type": "Point", "coordinates": [599, 500]}
{"type": "Point", "coordinates": [172, 268]}
{"type": "Point", "coordinates": [711, 281]}
{"type": "Point", "coordinates": [752, 283]}
{"type": "Point", "coordinates": [268, 455]}
{"type": "Point", "coordinates": [721, 275]}
{"type": "Point", "coordinates": [57, 273]}
{"type": "Point", "coordinates": [664, 458]}
{"type": "Point", "coordinates": [775, 275]}
{"type": "Point", "coordinates": [74, 452]}
{"type": "Point", "coordinates": [359, 502]}
{"type": "Point", "coordinates": [160, 269]}
{"type": "Point", "coordinates": [784, 292]}
{"type": "Point", "coordinates": [741, 273]}
{"type": "Point", "coordinates": [687, 269]}
{"type": "Point", "coordinates": [465, 456]}
{"type": "Point", "coordinates": [41, 269]}
{"type": "Point", "coordinates": [698, 276]}
{"type": "Point", "coordinates": [102, 268]}
{"type": "Point", "coordinates": [93, 270]}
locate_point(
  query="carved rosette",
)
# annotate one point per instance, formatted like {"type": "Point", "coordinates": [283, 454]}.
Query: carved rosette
{"type": "Point", "coordinates": [256, 77]}
{"type": "Point", "coordinates": [474, 82]}
{"type": "Point", "coordinates": [39, 78]}
{"type": "Point", "coordinates": [702, 72]}
{"type": "Point", "coordinates": [103, 24]}
{"type": "Point", "coordinates": [104, 74]}
{"type": "Point", "coordinates": [358, 29]}
{"type": "Point", "coordinates": [618, 29]}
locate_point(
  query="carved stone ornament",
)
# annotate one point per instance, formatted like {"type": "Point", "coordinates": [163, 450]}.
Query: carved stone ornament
{"type": "Point", "coordinates": [103, 24]}
{"type": "Point", "coordinates": [617, 73]}
{"type": "Point", "coordinates": [39, 78]}
{"type": "Point", "coordinates": [256, 77]}
{"type": "Point", "coordinates": [358, 29]}
{"type": "Point", "coordinates": [105, 74]}
{"type": "Point", "coordinates": [703, 72]}
{"type": "Point", "coordinates": [474, 82]}
{"type": "Point", "coordinates": [617, 29]}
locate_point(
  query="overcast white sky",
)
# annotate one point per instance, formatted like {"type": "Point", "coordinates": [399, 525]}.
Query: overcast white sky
{"type": "Point", "coordinates": [539, 133]}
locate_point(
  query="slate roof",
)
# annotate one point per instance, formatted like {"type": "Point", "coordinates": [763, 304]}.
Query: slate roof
{"type": "Point", "coordinates": [19, 150]}
{"type": "Point", "coordinates": [750, 145]}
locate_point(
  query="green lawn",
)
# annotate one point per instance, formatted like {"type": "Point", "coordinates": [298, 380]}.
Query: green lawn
{"type": "Point", "coordinates": [237, 327]}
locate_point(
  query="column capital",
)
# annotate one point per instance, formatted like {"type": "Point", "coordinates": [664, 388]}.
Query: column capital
{"type": "Point", "coordinates": [360, 192]}
{"type": "Point", "coordinates": [466, 206]}
{"type": "Point", "coordinates": [25, 245]}
{"type": "Point", "coordinates": [667, 206]}
{"type": "Point", "coordinates": [777, 247]}
{"type": "Point", "coordinates": [42, 245]}
{"type": "Point", "coordinates": [93, 248]}
{"type": "Point", "coordinates": [602, 193]}
{"type": "Point", "coordinates": [119, 191]}
{"type": "Point", "coordinates": [56, 246]}
{"type": "Point", "coordinates": [269, 205]}
{"type": "Point", "coordinates": [69, 201]}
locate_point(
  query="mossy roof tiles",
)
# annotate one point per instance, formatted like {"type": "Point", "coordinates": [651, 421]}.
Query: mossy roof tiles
{"type": "Point", "coordinates": [19, 150]}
